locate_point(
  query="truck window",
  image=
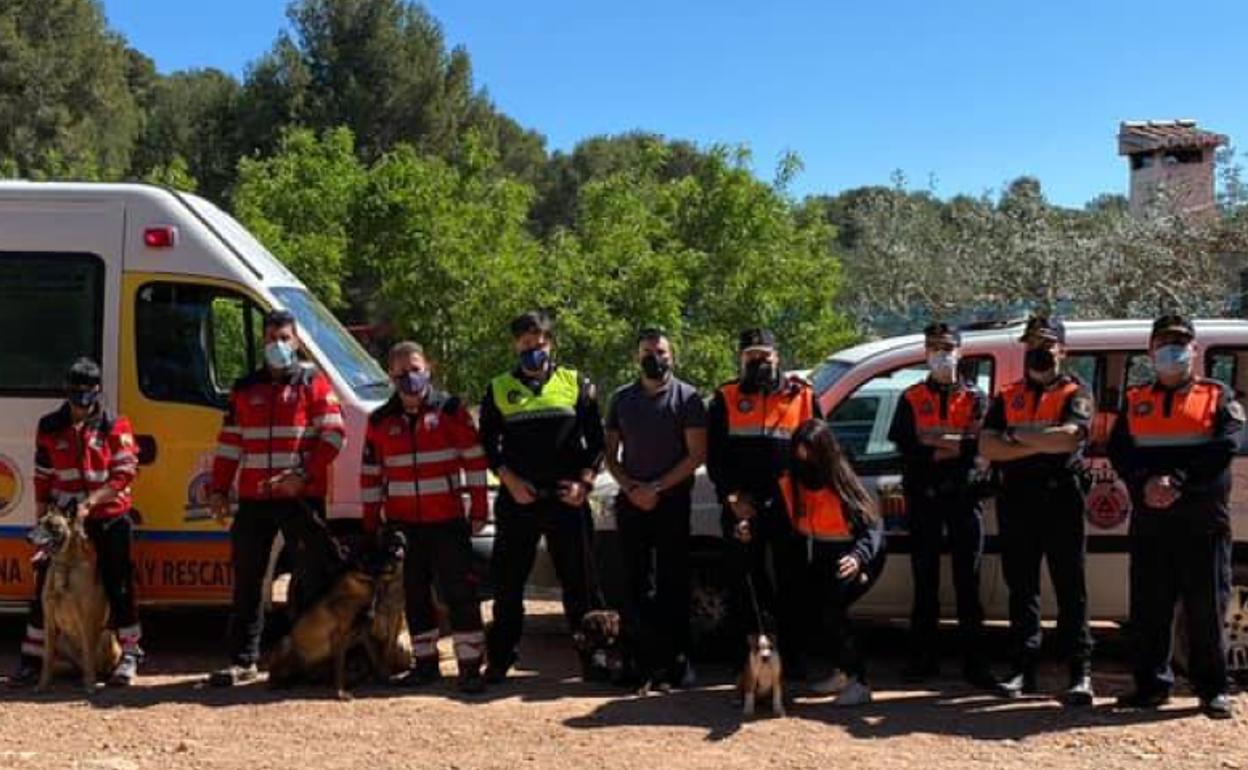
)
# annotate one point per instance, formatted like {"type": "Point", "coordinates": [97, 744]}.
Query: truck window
{"type": "Point", "coordinates": [193, 341]}
{"type": "Point", "coordinates": [861, 422]}
{"type": "Point", "coordinates": [52, 312]}
{"type": "Point", "coordinates": [1230, 366]}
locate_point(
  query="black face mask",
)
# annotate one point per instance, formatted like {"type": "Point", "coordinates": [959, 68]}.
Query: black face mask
{"type": "Point", "coordinates": [759, 375]}
{"type": "Point", "coordinates": [811, 475]}
{"type": "Point", "coordinates": [1040, 360]}
{"type": "Point", "coordinates": [655, 368]}
{"type": "Point", "coordinates": [84, 399]}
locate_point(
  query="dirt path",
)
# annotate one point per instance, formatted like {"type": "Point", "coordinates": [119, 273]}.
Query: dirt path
{"type": "Point", "coordinates": [546, 718]}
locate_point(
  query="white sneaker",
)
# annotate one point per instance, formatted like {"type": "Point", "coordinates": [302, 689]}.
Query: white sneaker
{"type": "Point", "coordinates": [830, 685]}
{"type": "Point", "coordinates": [855, 694]}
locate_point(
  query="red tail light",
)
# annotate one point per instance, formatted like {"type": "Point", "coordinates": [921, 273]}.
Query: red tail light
{"type": "Point", "coordinates": [162, 237]}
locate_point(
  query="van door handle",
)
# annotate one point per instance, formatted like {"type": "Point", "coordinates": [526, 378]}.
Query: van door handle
{"type": "Point", "coordinates": [147, 449]}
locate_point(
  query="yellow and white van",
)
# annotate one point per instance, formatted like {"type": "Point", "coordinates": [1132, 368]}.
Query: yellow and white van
{"type": "Point", "coordinates": [168, 293]}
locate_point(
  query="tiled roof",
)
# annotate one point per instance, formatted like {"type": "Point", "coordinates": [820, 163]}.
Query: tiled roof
{"type": "Point", "coordinates": [1149, 135]}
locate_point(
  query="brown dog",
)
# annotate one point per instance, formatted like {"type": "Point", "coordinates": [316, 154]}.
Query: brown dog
{"type": "Point", "coordinates": [762, 676]}
{"type": "Point", "coordinates": [75, 608]}
{"type": "Point", "coordinates": [363, 608]}
{"type": "Point", "coordinates": [598, 643]}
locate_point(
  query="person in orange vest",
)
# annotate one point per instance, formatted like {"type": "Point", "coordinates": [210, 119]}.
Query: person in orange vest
{"type": "Point", "coordinates": [281, 433]}
{"type": "Point", "coordinates": [839, 523]}
{"type": "Point", "coordinates": [1035, 433]}
{"type": "Point", "coordinates": [750, 425]}
{"type": "Point", "coordinates": [1173, 445]}
{"type": "Point", "coordinates": [86, 459]}
{"type": "Point", "coordinates": [421, 456]}
{"type": "Point", "coordinates": [936, 427]}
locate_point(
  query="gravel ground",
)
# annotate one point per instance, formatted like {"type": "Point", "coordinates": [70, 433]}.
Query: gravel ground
{"type": "Point", "coordinates": [546, 718]}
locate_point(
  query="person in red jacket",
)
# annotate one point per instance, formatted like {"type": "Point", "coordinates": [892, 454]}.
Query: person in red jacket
{"type": "Point", "coordinates": [85, 462]}
{"type": "Point", "coordinates": [421, 455]}
{"type": "Point", "coordinates": [283, 428]}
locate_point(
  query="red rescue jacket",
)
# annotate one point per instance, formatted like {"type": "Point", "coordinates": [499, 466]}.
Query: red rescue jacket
{"type": "Point", "coordinates": [417, 467]}
{"type": "Point", "coordinates": [72, 462]}
{"type": "Point", "coordinates": [274, 424]}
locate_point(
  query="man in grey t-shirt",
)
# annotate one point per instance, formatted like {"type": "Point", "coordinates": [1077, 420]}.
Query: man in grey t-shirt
{"type": "Point", "coordinates": [656, 439]}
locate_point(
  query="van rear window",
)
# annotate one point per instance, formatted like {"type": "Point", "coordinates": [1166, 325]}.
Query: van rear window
{"type": "Point", "coordinates": [51, 313]}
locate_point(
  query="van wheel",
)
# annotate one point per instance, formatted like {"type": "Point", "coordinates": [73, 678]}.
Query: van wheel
{"type": "Point", "coordinates": [1235, 625]}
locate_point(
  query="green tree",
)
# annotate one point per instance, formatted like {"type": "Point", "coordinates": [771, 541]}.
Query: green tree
{"type": "Point", "coordinates": [66, 109]}
{"type": "Point", "coordinates": [299, 203]}
{"type": "Point", "coordinates": [192, 115]}
{"type": "Point", "coordinates": [452, 258]}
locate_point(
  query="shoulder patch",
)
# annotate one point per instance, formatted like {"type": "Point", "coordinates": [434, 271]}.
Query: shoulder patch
{"type": "Point", "coordinates": [1081, 406]}
{"type": "Point", "coordinates": [1236, 410]}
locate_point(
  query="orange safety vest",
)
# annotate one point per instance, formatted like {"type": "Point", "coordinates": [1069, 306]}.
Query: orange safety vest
{"type": "Point", "coordinates": [1191, 421]}
{"type": "Point", "coordinates": [815, 513]}
{"type": "Point", "coordinates": [959, 416]}
{"type": "Point", "coordinates": [771, 415]}
{"type": "Point", "coordinates": [1025, 411]}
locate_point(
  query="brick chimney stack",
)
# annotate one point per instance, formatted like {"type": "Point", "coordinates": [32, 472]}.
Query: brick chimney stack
{"type": "Point", "coordinates": [1174, 155]}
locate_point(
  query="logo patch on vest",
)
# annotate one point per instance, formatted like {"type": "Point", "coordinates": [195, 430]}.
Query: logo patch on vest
{"type": "Point", "coordinates": [927, 408]}
{"type": "Point", "coordinates": [395, 430]}
{"type": "Point", "coordinates": [1144, 408]}
{"type": "Point", "coordinates": [1019, 402]}
{"type": "Point", "coordinates": [431, 421]}
{"type": "Point", "coordinates": [514, 396]}
{"type": "Point", "coordinates": [745, 405]}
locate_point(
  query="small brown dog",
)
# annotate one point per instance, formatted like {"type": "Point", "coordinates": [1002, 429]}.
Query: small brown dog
{"type": "Point", "coordinates": [348, 617]}
{"type": "Point", "coordinates": [75, 608]}
{"type": "Point", "coordinates": [762, 676]}
{"type": "Point", "coordinates": [598, 643]}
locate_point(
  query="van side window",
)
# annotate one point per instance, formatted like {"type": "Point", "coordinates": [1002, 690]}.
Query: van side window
{"type": "Point", "coordinates": [861, 422]}
{"type": "Point", "coordinates": [193, 341]}
{"type": "Point", "coordinates": [52, 312]}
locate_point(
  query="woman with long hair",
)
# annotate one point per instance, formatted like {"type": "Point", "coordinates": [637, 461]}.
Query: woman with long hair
{"type": "Point", "coordinates": [840, 522]}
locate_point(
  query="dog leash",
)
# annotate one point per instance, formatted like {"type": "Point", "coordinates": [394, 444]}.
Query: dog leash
{"type": "Point", "coordinates": [758, 613]}
{"type": "Point", "coordinates": [593, 588]}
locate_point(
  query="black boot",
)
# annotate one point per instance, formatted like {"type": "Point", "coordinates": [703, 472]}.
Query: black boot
{"type": "Point", "coordinates": [977, 674]}
{"type": "Point", "coordinates": [497, 667]}
{"type": "Point", "coordinates": [1144, 699]}
{"type": "Point", "coordinates": [921, 667]}
{"type": "Point", "coordinates": [470, 681]}
{"type": "Point", "coordinates": [27, 673]}
{"type": "Point", "coordinates": [1021, 682]}
{"type": "Point", "coordinates": [424, 671]}
{"type": "Point", "coordinates": [1079, 693]}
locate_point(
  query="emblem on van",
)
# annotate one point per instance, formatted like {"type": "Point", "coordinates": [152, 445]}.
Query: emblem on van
{"type": "Point", "coordinates": [10, 486]}
{"type": "Point", "coordinates": [1108, 505]}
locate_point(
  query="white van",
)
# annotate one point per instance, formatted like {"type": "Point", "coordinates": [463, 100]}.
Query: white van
{"type": "Point", "coordinates": [168, 293]}
{"type": "Point", "coordinates": [859, 388]}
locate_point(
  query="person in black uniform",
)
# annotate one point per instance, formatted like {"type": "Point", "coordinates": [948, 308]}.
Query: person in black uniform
{"type": "Point", "coordinates": [543, 437]}
{"type": "Point", "coordinates": [750, 426]}
{"type": "Point", "coordinates": [1035, 433]}
{"type": "Point", "coordinates": [1172, 445]}
{"type": "Point", "coordinates": [936, 427]}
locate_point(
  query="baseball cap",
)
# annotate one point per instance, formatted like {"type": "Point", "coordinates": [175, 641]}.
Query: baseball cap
{"type": "Point", "coordinates": [1045, 328]}
{"type": "Point", "coordinates": [1173, 323]}
{"type": "Point", "coordinates": [940, 331]}
{"type": "Point", "coordinates": [756, 339]}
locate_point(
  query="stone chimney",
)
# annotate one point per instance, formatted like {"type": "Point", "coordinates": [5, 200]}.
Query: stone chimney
{"type": "Point", "coordinates": [1170, 155]}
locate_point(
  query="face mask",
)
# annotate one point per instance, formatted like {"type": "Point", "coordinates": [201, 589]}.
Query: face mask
{"type": "Point", "coordinates": [811, 475]}
{"type": "Point", "coordinates": [1172, 360]}
{"type": "Point", "coordinates": [84, 399]}
{"type": "Point", "coordinates": [758, 375]}
{"type": "Point", "coordinates": [534, 360]}
{"type": "Point", "coordinates": [279, 354]}
{"type": "Point", "coordinates": [943, 365]}
{"type": "Point", "coordinates": [655, 368]}
{"type": "Point", "coordinates": [413, 383]}
{"type": "Point", "coordinates": [1040, 360]}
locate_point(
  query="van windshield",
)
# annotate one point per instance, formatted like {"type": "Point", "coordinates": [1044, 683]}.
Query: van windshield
{"type": "Point", "coordinates": [827, 373]}
{"type": "Point", "coordinates": [351, 361]}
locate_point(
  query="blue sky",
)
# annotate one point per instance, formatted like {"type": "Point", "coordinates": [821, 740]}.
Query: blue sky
{"type": "Point", "coordinates": [966, 94]}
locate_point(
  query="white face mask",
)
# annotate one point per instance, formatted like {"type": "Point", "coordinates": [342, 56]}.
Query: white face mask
{"type": "Point", "coordinates": [943, 365]}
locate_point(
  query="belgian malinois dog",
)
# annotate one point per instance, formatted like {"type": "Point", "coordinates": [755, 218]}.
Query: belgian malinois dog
{"type": "Point", "coordinates": [75, 608]}
{"type": "Point", "coordinates": [363, 608]}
